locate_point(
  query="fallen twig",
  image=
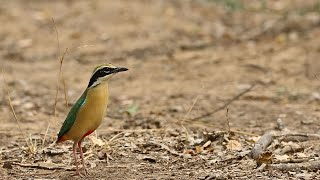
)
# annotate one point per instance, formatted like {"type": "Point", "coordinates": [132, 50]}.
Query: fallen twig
{"type": "Point", "coordinates": [293, 161]}
{"type": "Point", "coordinates": [243, 133]}
{"type": "Point", "coordinates": [291, 148]}
{"type": "Point", "coordinates": [284, 134]}
{"type": "Point", "coordinates": [43, 165]}
{"type": "Point", "coordinates": [213, 126]}
{"type": "Point", "coordinates": [261, 145]}
{"type": "Point", "coordinates": [311, 165]}
{"type": "Point", "coordinates": [165, 147]}
{"type": "Point", "coordinates": [226, 104]}
{"type": "Point", "coordinates": [287, 135]}
{"type": "Point", "coordinates": [297, 137]}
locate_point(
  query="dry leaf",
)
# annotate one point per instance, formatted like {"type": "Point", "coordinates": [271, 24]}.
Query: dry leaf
{"type": "Point", "coordinates": [234, 145]}
{"type": "Point", "coordinates": [265, 158]}
{"type": "Point", "coordinates": [198, 149]}
{"type": "Point", "coordinates": [206, 144]}
{"type": "Point", "coordinates": [254, 139]}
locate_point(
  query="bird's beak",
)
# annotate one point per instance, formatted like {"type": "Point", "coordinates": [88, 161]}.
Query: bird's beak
{"type": "Point", "coordinates": [120, 69]}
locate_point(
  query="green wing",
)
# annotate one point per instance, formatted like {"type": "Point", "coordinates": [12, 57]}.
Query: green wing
{"type": "Point", "coordinates": [72, 115]}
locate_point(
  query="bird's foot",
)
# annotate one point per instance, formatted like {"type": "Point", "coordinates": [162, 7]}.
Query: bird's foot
{"type": "Point", "coordinates": [78, 174]}
{"type": "Point", "coordinates": [86, 172]}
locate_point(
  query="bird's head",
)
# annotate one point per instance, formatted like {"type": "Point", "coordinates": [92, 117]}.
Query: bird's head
{"type": "Point", "coordinates": [103, 73]}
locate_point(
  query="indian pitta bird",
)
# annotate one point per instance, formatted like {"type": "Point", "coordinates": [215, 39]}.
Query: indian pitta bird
{"type": "Point", "coordinates": [88, 112]}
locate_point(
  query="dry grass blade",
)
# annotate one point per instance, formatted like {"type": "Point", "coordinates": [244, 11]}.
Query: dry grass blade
{"type": "Point", "coordinates": [13, 111]}
{"type": "Point", "coordinates": [186, 116]}
{"type": "Point", "coordinates": [115, 136]}
{"type": "Point", "coordinates": [60, 76]}
{"type": "Point", "coordinates": [58, 84]}
{"type": "Point", "coordinates": [45, 135]}
{"type": "Point", "coordinates": [227, 117]}
{"type": "Point", "coordinates": [190, 109]}
{"type": "Point", "coordinates": [57, 35]}
{"type": "Point", "coordinates": [6, 88]}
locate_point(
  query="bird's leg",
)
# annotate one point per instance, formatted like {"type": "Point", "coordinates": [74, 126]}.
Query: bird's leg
{"type": "Point", "coordinates": [82, 159]}
{"type": "Point", "coordinates": [75, 157]}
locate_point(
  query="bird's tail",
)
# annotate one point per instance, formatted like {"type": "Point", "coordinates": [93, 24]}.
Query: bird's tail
{"type": "Point", "coordinates": [61, 139]}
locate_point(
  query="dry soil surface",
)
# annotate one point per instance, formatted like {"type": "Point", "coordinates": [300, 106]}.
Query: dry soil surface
{"type": "Point", "coordinates": [185, 59]}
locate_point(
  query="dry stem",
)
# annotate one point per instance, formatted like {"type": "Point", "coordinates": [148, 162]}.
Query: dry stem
{"type": "Point", "coordinates": [226, 104]}
{"type": "Point", "coordinates": [6, 88]}
{"type": "Point", "coordinates": [228, 123]}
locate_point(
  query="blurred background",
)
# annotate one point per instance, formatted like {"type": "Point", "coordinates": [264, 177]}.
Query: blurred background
{"type": "Point", "coordinates": [186, 58]}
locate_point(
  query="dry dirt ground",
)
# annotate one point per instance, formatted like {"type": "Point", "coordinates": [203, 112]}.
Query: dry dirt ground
{"type": "Point", "coordinates": [186, 59]}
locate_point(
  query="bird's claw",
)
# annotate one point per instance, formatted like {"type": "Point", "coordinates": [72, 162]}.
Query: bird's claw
{"type": "Point", "coordinates": [79, 174]}
{"type": "Point", "coordinates": [82, 171]}
{"type": "Point", "coordinates": [86, 172]}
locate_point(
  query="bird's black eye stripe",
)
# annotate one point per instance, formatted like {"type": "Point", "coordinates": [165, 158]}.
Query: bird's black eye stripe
{"type": "Point", "coordinates": [106, 69]}
{"type": "Point", "coordinates": [100, 73]}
